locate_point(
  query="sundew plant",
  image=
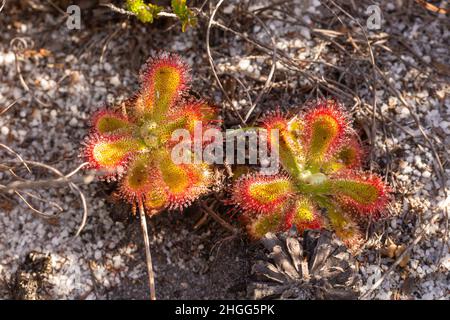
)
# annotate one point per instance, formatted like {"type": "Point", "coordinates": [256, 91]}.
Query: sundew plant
{"type": "Point", "coordinates": [132, 143]}
{"type": "Point", "coordinates": [321, 183]}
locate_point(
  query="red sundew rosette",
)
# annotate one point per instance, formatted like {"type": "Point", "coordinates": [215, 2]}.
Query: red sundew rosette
{"type": "Point", "coordinates": [320, 153]}
{"type": "Point", "coordinates": [136, 141]}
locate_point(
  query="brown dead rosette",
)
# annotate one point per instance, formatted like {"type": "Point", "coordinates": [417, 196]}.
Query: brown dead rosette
{"type": "Point", "coordinates": [315, 267]}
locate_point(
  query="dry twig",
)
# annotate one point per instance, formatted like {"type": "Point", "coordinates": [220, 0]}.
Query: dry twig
{"type": "Point", "coordinates": [151, 275]}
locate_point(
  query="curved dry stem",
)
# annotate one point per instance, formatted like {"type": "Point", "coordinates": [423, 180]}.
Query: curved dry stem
{"type": "Point", "coordinates": [17, 155]}
{"type": "Point", "coordinates": [39, 212]}
{"type": "Point", "coordinates": [63, 179]}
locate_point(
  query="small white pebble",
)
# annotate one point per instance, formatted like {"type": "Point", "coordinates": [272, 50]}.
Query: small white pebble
{"type": "Point", "coordinates": [5, 130]}
{"type": "Point", "coordinates": [426, 174]}
{"type": "Point", "coordinates": [115, 81]}
{"type": "Point", "coordinates": [107, 67]}
{"type": "Point", "coordinates": [244, 64]}
{"type": "Point", "coordinates": [73, 122]}
{"type": "Point", "coordinates": [394, 224]}
{"type": "Point", "coordinates": [117, 261]}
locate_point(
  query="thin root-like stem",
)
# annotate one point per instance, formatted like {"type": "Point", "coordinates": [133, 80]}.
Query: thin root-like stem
{"type": "Point", "coordinates": [151, 275]}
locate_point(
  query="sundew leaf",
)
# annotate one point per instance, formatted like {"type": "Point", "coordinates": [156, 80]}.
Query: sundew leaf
{"type": "Point", "coordinates": [110, 153]}
{"type": "Point", "coordinates": [108, 122]}
{"type": "Point", "coordinates": [262, 194]}
{"type": "Point", "coordinates": [163, 79]}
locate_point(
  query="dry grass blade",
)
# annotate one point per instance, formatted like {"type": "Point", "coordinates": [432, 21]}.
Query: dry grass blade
{"type": "Point", "coordinates": [211, 62]}
{"type": "Point", "coordinates": [266, 87]}
{"type": "Point", "coordinates": [12, 104]}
